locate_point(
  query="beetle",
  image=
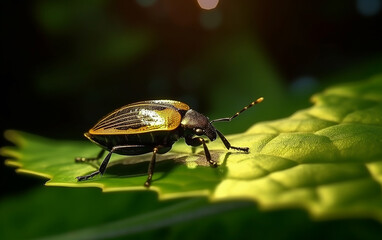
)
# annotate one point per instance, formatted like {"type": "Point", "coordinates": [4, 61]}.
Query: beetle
{"type": "Point", "coordinates": [153, 126]}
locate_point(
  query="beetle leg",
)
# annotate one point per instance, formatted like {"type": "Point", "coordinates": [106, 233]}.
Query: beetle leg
{"type": "Point", "coordinates": [151, 168]}
{"type": "Point", "coordinates": [104, 163]}
{"type": "Point", "coordinates": [83, 159]}
{"type": "Point", "coordinates": [197, 141]}
{"type": "Point", "coordinates": [228, 145]}
{"type": "Point", "coordinates": [101, 169]}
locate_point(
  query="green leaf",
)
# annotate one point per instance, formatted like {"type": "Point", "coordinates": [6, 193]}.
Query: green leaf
{"type": "Point", "coordinates": [326, 159]}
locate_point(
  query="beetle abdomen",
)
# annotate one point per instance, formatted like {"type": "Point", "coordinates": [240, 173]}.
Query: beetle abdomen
{"type": "Point", "coordinates": [147, 141]}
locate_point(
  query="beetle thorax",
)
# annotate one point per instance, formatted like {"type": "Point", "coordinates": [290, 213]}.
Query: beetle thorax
{"type": "Point", "coordinates": [194, 123]}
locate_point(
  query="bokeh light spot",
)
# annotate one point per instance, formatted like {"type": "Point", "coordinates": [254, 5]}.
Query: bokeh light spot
{"type": "Point", "coordinates": [208, 4]}
{"type": "Point", "coordinates": [368, 7]}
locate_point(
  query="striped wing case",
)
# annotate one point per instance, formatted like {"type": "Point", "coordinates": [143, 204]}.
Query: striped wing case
{"type": "Point", "coordinates": [141, 117]}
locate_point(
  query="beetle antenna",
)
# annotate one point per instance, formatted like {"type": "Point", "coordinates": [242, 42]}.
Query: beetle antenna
{"type": "Point", "coordinates": [228, 119]}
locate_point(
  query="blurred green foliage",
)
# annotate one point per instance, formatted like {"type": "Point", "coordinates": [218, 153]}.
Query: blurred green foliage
{"type": "Point", "coordinates": [64, 213]}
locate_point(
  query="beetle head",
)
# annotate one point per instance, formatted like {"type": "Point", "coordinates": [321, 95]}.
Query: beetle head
{"type": "Point", "coordinates": [195, 123]}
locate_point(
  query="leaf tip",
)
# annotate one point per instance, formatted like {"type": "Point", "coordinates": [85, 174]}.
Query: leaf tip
{"type": "Point", "coordinates": [14, 137]}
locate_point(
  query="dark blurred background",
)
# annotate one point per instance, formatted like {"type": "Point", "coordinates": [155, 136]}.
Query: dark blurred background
{"type": "Point", "coordinates": [67, 63]}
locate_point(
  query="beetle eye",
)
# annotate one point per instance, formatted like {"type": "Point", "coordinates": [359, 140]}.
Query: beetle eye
{"type": "Point", "coordinates": [199, 131]}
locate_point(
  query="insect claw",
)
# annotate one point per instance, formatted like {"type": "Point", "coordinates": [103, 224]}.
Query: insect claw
{"type": "Point", "coordinates": [80, 178]}
{"type": "Point", "coordinates": [213, 164]}
{"type": "Point", "coordinates": [244, 149]}
{"type": "Point", "coordinates": [147, 184]}
{"type": "Point", "coordinates": [79, 159]}
{"type": "Point", "coordinates": [86, 177]}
